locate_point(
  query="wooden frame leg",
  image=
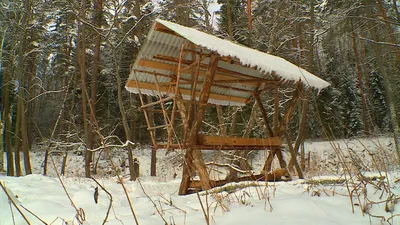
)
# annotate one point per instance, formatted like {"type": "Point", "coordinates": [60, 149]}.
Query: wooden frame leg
{"type": "Point", "coordinates": [268, 162]}
{"type": "Point", "coordinates": [187, 172]}
{"type": "Point", "coordinates": [279, 155]}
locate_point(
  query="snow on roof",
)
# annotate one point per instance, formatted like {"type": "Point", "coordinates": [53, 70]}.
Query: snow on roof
{"type": "Point", "coordinates": [160, 53]}
{"type": "Point", "coordinates": [266, 63]}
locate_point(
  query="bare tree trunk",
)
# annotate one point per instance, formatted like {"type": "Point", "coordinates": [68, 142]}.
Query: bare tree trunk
{"type": "Point", "coordinates": [1, 107]}
{"type": "Point", "coordinates": [123, 114]}
{"type": "Point", "coordinates": [7, 123]}
{"type": "Point", "coordinates": [229, 18]}
{"type": "Point", "coordinates": [240, 156]}
{"type": "Point", "coordinates": [97, 21]}
{"type": "Point", "coordinates": [21, 127]}
{"type": "Point", "coordinates": [364, 110]}
{"type": "Point", "coordinates": [153, 160]}
{"type": "Point", "coordinates": [17, 140]}
{"type": "Point", "coordinates": [221, 121]}
{"type": "Point", "coordinates": [388, 90]}
{"type": "Point", "coordinates": [392, 30]}
{"type": "Point", "coordinates": [64, 116]}
{"type": "Point", "coordinates": [1, 146]}
{"type": "Point", "coordinates": [82, 69]}
{"type": "Point", "coordinates": [25, 141]}
{"type": "Point", "coordinates": [396, 10]}
{"type": "Point", "coordinates": [64, 163]}
{"type": "Point", "coordinates": [233, 130]}
{"type": "Point", "coordinates": [249, 19]}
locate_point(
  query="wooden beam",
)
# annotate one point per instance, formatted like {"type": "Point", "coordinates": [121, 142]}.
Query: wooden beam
{"type": "Point", "coordinates": [153, 87]}
{"type": "Point", "coordinates": [146, 116]}
{"type": "Point", "coordinates": [286, 118]}
{"type": "Point", "coordinates": [219, 147]}
{"type": "Point", "coordinates": [157, 102]}
{"type": "Point", "coordinates": [220, 70]}
{"type": "Point", "coordinates": [194, 155]}
{"type": "Point", "coordinates": [205, 94]}
{"type": "Point", "coordinates": [161, 28]}
{"type": "Point", "coordinates": [228, 59]}
{"type": "Point", "coordinates": [238, 141]}
{"type": "Point", "coordinates": [264, 114]}
{"type": "Point", "coordinates": [275, 175]}
{"type": "Point", "coordinates": [189, 81]}
{"type": "Point", "coordinates": [257, 81]}
{"type": "Point", "coordinates": [172, 68]}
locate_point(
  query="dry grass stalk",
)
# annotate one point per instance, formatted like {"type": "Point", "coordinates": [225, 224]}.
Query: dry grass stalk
{"type": "Point", "coordinates": [154, 204]}
{"type": "Point", "coordinates": [80, 213]}
{"type": "Point", "coordinates": [14, 204]}
{"type": "Point", "coordinates": [109, 197]}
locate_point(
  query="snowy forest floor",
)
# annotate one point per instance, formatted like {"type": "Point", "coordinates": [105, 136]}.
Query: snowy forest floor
{"type": "Point", "coordinates": [366, 169]}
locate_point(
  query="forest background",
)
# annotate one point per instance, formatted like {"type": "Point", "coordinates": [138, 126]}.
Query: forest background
{"type": "Point", "coordinates": [64, 65]}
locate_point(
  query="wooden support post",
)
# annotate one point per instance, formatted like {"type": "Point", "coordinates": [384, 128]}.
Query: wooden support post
{"type": "Point", "coordinates": [153, 140]}
{"type": "Point", "coordinates": [153, 165]}
{"type": "Point", "coordinates": [178, 78]}
{"type": "Point", "coordinates": [285, 119]}
{"type": "Point", "coordinates": [268, 162]}
{"type": "Point", "coordinates": [165, 115]}
{"type": "Point", "coordinates": [293, 155]}
{"type": "Point", "coordinates": [264, 115]}
{"type": "Point", "coordinates": [280, 130]}
{"type": "Point", "coordinates": [191, 106]}
{"type": "Point", "coordinates": [193, 156]}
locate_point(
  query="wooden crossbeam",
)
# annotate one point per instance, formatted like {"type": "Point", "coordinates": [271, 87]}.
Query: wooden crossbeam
{"type": "Point", "coordinates": [264, 115]}
{"type": "Point", "coordinates": [172, 68]}
{"type": "Point", "coordinates": [276, 175]}
{"type": "Point", "coordinates": [161, 28]}
{"type": "Point", "coordinates": [158, 127]}
{"type": "Point", "coordinates": [205, 66]}
{"type": "Point", "coordinates": [157, 102]}
{"type": "Point", "coordinates": [189, 81]}
{"type": "Point", "coordinates": [290, 109]}
{"type": "Point", "coordinates": [220, 147]}
{"type": "Point", "coordinates": [246, 81]}
{"type": "Point", "coordinates": [153, 87]}
{"type": "Point", "coordinates": [238, 141]}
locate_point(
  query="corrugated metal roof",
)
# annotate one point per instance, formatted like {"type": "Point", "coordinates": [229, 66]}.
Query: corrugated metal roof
{"type": "Point", "coordinates": [161, 50]}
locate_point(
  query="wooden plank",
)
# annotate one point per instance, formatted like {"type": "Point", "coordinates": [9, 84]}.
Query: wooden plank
{"type": "Point", "coordinates": [161, 28]}
{"type": "Point", "coordinates": [219, 147]}
{"type": "Point", "coordinates": [157, 102]}
{"type": "Point", "coordinates": [172, 68]}
{"type": "Point", "coordinates": [193, 156]}
{"type": "Point", "coordinates": [221, 70]}
{"type": "Point", "coordinates": [238, 141]}
{"type": "Point", "coordinates": [276, 175]}
{"type": "Point", "coordinates": [188, 81]}
{"type": "Point", "coordinates": [152, 135]}
{"type": "Point", "coordinates": [246, 81]}
{"type": "Point", "coordinates": [153, 87]}
{"type": "Point", "coordinates": [158, 127]}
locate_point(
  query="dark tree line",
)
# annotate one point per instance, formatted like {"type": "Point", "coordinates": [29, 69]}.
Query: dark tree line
{"type": "Point", "coordinates": [64, 65]}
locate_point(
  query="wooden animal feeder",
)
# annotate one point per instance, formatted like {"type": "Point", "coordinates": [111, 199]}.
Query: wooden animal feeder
{"type": "Point", "coordinates": [188, 70]}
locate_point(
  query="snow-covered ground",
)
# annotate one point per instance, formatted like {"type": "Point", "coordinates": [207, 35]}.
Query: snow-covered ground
{"type": "Point", "coordinates": [294, 202]}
